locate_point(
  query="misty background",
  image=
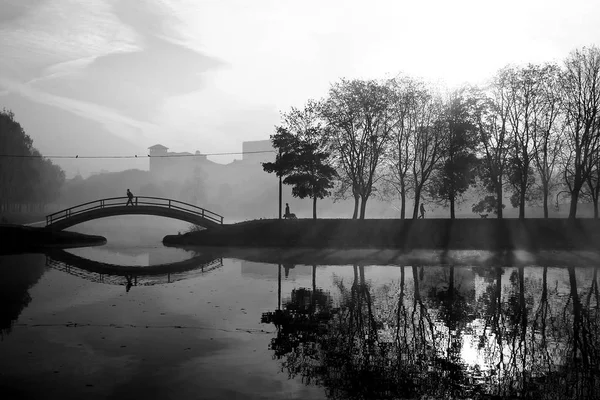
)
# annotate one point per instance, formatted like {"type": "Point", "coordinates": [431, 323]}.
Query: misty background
{"type": "Point", "coordinates": [113, 78]}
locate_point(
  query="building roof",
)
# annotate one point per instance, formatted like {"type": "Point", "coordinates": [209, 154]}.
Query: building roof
{"type": "Point", "coordinates": [158, 146]}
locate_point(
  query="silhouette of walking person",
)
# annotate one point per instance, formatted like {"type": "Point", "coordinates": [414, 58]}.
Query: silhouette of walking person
{"type": "Point", "coordinates": [130, 198]}
{"type": "Point", "coordinates": [422, 211]}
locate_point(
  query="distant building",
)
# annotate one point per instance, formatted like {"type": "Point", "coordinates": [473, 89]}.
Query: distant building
{"type": "Point", "coordinates": [165, 164]}
{"type": "Point", "coordinates": [168, 164]}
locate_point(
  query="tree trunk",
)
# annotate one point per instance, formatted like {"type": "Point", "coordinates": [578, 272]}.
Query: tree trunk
{"type": "Point", "coordinates": [403, 206]}
{"type": "Point", "coordinates": [573, 205]}
{"type": "Point", "coordinates": [417, 202]}
{"type": "Point", "coordinates": [499, 200]}
{"type": "Point", "coordinates": [315, 207]}
{"type": "Point", "coordinates": [522, 200]}
{"type": "Point", "coordinates": [546, 194]}
{"type": "Point", "coordinates": [356, 200]}
{"type": "Point", "coordinates": [596, 194]}
{"type": "Point", "coordinates": [363, 206]}
{"type": "Point", "coordinates": [403, 198]}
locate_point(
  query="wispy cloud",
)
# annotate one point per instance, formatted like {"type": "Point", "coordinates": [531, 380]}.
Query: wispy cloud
{"type": "Point", "coordinates": [194, 70]}
{"type": "Point", "coordinates": [56, 32]}
{"type": "Point", "coordinates": [128, 128]}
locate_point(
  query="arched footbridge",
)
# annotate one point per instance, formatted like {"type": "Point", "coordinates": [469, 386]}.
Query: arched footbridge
{"type": "Point", "coordinates": [142, 205]}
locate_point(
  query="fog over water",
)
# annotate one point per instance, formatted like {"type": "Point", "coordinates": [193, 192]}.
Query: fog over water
{"type": "Point", "coordinates": [133, 240]}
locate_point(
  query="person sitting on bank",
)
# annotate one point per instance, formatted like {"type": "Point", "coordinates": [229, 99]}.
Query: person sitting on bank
{"type": "Point", "coordinates": [130, 198]}
{"type": "Point", "coordinates": [288, 214]}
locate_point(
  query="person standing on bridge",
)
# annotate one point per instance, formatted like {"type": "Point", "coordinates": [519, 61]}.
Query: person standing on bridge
{"type": "Point", "coordinates": [130, 198]}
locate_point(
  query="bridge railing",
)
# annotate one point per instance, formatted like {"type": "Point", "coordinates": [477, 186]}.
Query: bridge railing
{"type": "Point", "coordinates": [137, 201]}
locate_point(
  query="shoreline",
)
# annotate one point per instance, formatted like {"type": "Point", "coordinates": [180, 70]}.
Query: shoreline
{"type": "Point", "coordinates": [398, 257]}
{"type": "Point", "coordinates": [20, 239]}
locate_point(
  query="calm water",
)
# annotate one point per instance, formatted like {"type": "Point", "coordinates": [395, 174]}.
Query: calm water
{"type": "Point", "coordinates": [207, 327]}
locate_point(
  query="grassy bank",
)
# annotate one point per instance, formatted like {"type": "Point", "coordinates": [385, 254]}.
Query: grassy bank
{"type": "Point", "coordinates": [444, 234]}
{"type": "Point", "coordinates": [18, 239]}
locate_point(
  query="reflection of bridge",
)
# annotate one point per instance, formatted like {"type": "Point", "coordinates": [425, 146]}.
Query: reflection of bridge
{"type": "Point", "coordinates": [142, 205]}
{"type": "Point", "coordinates": [112, 274]}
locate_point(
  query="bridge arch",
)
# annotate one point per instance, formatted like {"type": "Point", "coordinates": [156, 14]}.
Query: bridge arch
{"type": "Point", "coordinates": [101, 272]}
{"type": "Point", "coordinates": [142, 205]}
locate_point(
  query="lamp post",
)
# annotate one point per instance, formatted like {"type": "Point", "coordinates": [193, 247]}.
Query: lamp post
{"type": "Point", "coordinates": [280, 184]}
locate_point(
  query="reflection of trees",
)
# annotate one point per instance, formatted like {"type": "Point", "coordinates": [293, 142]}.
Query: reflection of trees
{"type": "Point", "coordinates": [302, 320]}
{"type": "Point", "coordinates": [18, 274]}
{"type": "Point", "coordinates": [583, 343]}
{"type": "Point", "coordinates": [455, 310]}
{"type": "Point", "coordinates": [536, 340]}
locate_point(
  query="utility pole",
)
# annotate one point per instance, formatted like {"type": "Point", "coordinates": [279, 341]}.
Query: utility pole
{"type": "Point", "coordinates": [280, 184]}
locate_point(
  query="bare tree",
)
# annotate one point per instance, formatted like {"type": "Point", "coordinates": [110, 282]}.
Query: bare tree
{"type": "Point", "coordinates": [428, 140]}
{"type": "Point", "coordinates": [580, 90]}
{"type": "Point", "coordinates": [359, 126]}
{"type": "Point", "coordinates": [522, 87]}
{"type": "Point", "coordinates": [593, 182]}
{"type": "Point", "coordinates": [547, 140]}
{"type": "Point", "coordinates": [492, 121]}
{"type": "Point", "coordinates": [405, 92]}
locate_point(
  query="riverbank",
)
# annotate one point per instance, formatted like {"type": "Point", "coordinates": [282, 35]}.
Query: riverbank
{"type": "Point", "coordinates": [19, 239]}
{"type": "Point", "coordinates": [442, 234]}
{"type": "Point", "coordinates": [396, 257]}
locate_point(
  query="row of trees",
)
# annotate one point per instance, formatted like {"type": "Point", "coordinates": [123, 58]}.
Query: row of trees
{"type": "Point", "coordinates": [26, 178]}
{"type": "Point", "coordinates": [533, 130]}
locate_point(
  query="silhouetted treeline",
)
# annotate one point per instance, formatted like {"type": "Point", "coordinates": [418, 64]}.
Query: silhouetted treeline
{"type": "Point", "coordinates": [27, 180]}
{"type": "Point", "coordinates": [532, 132]}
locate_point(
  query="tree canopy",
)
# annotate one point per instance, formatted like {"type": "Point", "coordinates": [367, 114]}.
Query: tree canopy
{"type": "Point", "coordinates": [26, 177]}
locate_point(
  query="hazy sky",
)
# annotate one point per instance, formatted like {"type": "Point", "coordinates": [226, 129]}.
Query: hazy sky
{"type": "Point", "coordinates": [96, 77]}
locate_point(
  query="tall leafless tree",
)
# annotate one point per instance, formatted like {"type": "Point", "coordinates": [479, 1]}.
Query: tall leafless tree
{"type": "Point", "coordinates": [580, 90]}
{"type": "Point", "coordinates": [405, 92]}
{"type": "Point", "coordinates": [547, 132]}
{"type": "Point", "coordinates": [428, 140]}
{"type": "Point", "coordinates": [522, 87]}
{"type": "Point", "coordinates": [359, 120]}
{"type": "Point", "coordinates": [492, 121]}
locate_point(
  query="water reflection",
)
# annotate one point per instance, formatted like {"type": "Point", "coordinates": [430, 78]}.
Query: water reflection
{"type": "Point", "coordinates": [446, 332]}
{"type": "Point", "coordinates": [129, 276]}
{"type": "Point", "coordinates": [18, 273]}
